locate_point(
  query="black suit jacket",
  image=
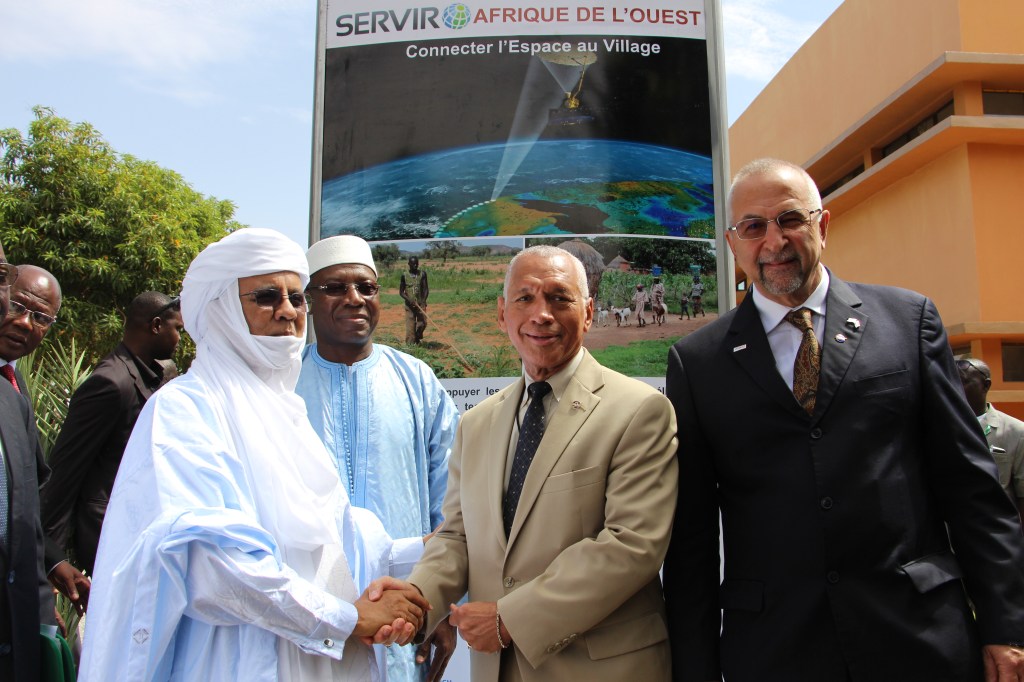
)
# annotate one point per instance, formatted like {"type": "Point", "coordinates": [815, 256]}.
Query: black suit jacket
{"type": "Point", "coordinates": [837, 561]}
{"type": "Point", "coordinates": [88, 452]}
{"type": "Point", "coordinates": [25, 598]}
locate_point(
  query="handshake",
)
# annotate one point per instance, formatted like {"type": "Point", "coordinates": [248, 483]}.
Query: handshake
{"type": "Point", "coordinates": [390, 610]}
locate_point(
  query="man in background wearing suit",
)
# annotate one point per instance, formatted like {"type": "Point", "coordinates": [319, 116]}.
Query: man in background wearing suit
{"type": "Point", "coordinates": [100, 418]}
{"type": "Point", "coordinates": [25, 599]}
{"type": "Point", "coordinates": [838, 450]}
{"type": "Point", "coordinates": [35, 302]}
{"type": "Point", "coordinates": [559, 504]}
{"type": "Point", "coordinates": [1005, 434]}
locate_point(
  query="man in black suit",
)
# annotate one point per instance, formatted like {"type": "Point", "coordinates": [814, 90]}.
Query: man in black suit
{"type": "Point", "coordinates": [35, 300]}
{"type": "Point", "coordinates": [837, 456]}
{"type": "Point", "coordinates": [24, 593]}
{"type": "Point", "coordinates": [100, 419]}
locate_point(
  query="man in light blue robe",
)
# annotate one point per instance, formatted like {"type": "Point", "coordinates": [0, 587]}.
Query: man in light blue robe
{"type": "Point", "coordinates": [229, 550]}
{"type": "Point", "coordinates": [382, 414]}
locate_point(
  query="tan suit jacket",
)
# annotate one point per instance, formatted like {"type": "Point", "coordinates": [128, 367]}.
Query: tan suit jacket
{"type": "Point", "coordinates": [577, 581]}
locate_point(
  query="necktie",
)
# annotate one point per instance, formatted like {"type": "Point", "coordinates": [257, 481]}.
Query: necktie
{"type": "Point", "coordinates": [807, 365]}
{"type": "Point", "coordinates": [8, 372]}
{"type": "Point", "coordinates": [530, 434]}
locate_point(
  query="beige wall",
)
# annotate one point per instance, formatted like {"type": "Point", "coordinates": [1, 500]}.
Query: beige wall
{"type": "Point", "coordinates": [860, 56]}
{"type": "Point", "coordinates": [912, 235]}
{"type": "Point", "coordinates": [991, 25]}
{"type": "Point", "coordinates": [997, 183]}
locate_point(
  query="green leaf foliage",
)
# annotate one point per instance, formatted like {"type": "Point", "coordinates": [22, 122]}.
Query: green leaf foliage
{"type": "Point", "coordinates": [109, 226]}
{"type": "Point", "coordinates": [52, 374]}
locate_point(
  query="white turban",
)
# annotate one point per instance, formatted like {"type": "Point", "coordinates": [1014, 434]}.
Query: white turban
{"type": "Point", "coordinates": [249, 251]}
{"type": "Point", "coordinates": [340, 250]}
{"type": "Point", "coordinates": [253, 379]}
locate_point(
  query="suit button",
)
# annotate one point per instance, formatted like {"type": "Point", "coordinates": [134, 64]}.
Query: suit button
{"type": "Point", "coordinates": [10, 577]}
{"type": "Point", "coordinates": [832, 577]}
{"type": "Point", "coordinates": [510, 581]}
{"type": "Point", "coordinates": [5, 649]}
{"type": "Point", "coordinates": [815, 433]}
{"type": "Point", "coordinates": [826, 503]}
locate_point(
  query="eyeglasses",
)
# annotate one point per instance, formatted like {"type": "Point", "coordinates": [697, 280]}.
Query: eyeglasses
{"type": "Point", "coordinates": [41, 320]}
{"type": "Point", "coordinates": [365, 289]}
{"type": "Point", "coordinates": [788, 221]}
{"type": "Point", "coordinates": [271, 298]}
{"type": "Point", "coordinates": [8, 274]}
{"type": "Point", "coordinates": [965, 365]}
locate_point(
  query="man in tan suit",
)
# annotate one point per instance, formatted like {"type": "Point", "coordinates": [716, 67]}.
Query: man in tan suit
{"type": "Point", "coordinates": [562, 577]}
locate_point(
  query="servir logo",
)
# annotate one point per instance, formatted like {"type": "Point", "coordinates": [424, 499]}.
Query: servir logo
{"type": "Point", "coordinates": [456, 15]}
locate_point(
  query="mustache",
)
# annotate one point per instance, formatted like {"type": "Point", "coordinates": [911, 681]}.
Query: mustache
{"type": "Point", "coordinates": [786, 254]}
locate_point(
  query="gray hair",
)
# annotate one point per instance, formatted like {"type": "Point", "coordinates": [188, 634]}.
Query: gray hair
{"type": "Point", "coordinates": [767, 165]}
{"type": "Point", "coordinates": [548, 251]}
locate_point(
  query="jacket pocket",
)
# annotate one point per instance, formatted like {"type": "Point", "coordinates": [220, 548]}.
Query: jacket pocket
{"type": "Point", "coordinates": [741, 595]}
{"type": "Point", "coordinates": [933, 570]}
{"type": "Point", "coordinates": [883, 383]}
{"type": "Point", "coordinates": [573, 479]}
{"type": "Point", "coordinates": [630, 635]}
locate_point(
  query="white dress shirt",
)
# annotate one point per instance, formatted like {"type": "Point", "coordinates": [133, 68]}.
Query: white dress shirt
{"type": "Point", "coordinates": [783, 337]}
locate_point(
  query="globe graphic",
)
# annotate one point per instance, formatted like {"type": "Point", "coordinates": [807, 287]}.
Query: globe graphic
{"type": "Point", "coordinates": [456, 15]}
{"type": "Point", "coordinates": [556, 187]}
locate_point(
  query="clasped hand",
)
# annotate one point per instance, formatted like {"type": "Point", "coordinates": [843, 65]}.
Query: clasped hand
{"type": "Point", "coordinates": [390, 611]}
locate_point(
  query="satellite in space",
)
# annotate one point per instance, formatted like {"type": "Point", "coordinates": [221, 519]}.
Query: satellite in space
{"type": "Point", "coordinates": [572, 111]}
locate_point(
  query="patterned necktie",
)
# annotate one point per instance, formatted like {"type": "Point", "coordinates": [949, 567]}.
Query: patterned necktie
{"type": "Point", "coordinates": [807, 365]}
{"type": "Point", "coordinates": [530, 434]}
{"type": "Point", "coordinates": [8, 372]}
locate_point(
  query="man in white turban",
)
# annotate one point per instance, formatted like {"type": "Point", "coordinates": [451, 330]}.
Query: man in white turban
{"type": "Point", "coordinates": [229, 550]}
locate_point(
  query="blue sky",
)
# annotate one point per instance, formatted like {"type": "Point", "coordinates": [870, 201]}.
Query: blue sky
{"type": "Point", "coordinates": [221, 91]}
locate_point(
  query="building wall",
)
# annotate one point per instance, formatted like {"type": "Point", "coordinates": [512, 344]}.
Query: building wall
{"type": "Point", "coordinates": [997, 184]}
{"type": "Point", "coordinates": [912, 235]}
{"type": "Point", "coordinates": [941, 214]}
{"type": "Point", "coordinates": [841, 73]}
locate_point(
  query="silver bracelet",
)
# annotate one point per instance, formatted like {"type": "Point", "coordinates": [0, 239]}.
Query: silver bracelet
{"type": "Point", "coordinates": [497, 629]}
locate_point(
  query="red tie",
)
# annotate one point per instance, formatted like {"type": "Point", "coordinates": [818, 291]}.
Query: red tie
{"type": "Point", "coordinates": [8, 372]}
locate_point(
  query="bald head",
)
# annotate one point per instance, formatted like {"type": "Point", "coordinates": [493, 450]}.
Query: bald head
{"type": "Point", "coordinates": [153, 326]}
{"type": "Point", "coordinates": [759, 168]}
{"type": "Point", "coordinates": [976, 377]}
{"type": "Point", "coordinates": [35, 300]}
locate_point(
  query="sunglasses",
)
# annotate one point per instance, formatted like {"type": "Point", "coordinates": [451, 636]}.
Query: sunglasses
{"type": "Point", "coordinates": [174, 304]}
{"type": "Point", "coordinates": [41, 320]}
{"type": "Point", "coordinates": [271, 298]}
{"type": "Point", "coordinates": [337, 289]}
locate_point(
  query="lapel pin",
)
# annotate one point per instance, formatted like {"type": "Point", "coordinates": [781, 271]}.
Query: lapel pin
{"type": "Point", "coordinates": [853, 323]}
{"type": "Point", "coordinates": [739, 348]}
{"type": "Point", "coordinates": [577, 405]}
{"type": "Point", "coordinates": [841, 338]}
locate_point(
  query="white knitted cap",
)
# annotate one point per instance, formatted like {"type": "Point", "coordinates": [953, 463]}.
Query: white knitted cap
{"type": "Point", "coordinates": [339, 250]}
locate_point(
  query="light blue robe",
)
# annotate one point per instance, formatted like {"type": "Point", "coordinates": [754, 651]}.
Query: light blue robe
{"type": "Point", "coordinates": [390, 425]}
{"type": "Point", "coordinates": [189, 584]}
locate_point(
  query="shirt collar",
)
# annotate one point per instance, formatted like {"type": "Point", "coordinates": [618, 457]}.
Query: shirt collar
{"type": "Point", "coordinates": [772, 313]}
{"type": "Point", "coordinates": [559, 381]}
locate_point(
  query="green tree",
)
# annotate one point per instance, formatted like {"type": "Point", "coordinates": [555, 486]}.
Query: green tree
{"type": "Point", "coordinates": [386, 255]}
{"type": "Point", "coordinates": [444, 250]}
{"type": "Point", "coordinates": [107, 225]}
